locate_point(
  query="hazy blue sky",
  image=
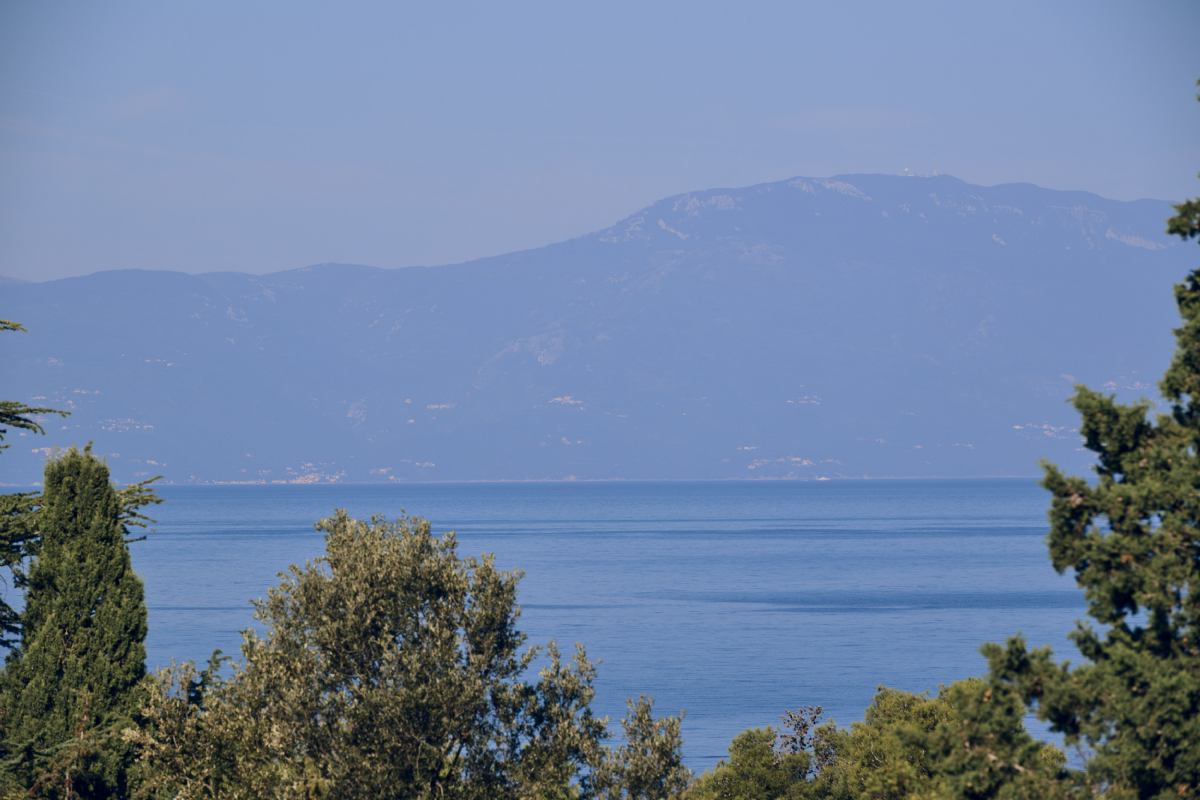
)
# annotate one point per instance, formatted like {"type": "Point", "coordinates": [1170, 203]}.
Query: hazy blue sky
{"type": "Point", "coordinates": [263, 136]}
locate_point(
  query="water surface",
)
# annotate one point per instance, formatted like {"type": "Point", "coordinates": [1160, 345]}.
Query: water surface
{"type": "Point", "coordinates": [731, 601]}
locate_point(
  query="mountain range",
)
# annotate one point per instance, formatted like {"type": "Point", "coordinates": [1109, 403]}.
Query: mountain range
{"type": "Point", "coordinates": [855, 326]}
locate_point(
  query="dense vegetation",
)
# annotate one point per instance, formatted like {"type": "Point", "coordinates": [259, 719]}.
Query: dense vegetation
{"type": "Point", "coordinates": [69, 690]}
{"type": "Point", "coordinates": [393, 667]}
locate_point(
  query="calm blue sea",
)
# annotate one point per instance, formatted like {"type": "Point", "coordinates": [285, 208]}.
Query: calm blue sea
{"type": "Point", "coordinates": [729, 601]}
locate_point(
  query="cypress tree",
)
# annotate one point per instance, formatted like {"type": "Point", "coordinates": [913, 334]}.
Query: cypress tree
{"type": "Point", "coordinates": [69, 689]}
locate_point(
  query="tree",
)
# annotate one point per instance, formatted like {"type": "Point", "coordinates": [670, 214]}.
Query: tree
{"type": "Point", "coordinates": [649, 765]}
{"type": "Point", "coordinates": [1132, 540]}
{"type": "Point", "coordinates": [71, 687]}
{"type": "Point", "coordinates": [755, 770]}
{"type": "Point", "coordinates": [21, 537]}
{"type": "Point", "coordinates": [968, 742]}
{"type": "Point", "coordinates": [390, 667]}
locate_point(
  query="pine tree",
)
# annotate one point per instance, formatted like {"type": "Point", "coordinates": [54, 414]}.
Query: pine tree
{"type": "Point", "coordinates": [70, 688]}
{"type": "Point", "coordinates": [1132, 539]}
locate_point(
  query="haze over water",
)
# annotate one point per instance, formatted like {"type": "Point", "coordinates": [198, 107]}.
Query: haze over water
{"type": "Point", "coordinates": [731, 601]}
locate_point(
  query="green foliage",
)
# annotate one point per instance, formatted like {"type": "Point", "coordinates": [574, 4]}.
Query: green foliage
{"type": "Point", "coordinates": [19, 536]}
{"type": "Point", "coordinates": [966, 743]}
{"type": "Point", "coordinates": [391, 667]}
{"type": "Point", "coordinates": [1186, 222]}
{"type": "Point", "coordinates": [886, 755]}
{"type": "Point", "coordinates": [21, 528]}
{"type": "Point", "coordinates": [649, 765]}
{"type": "Point", "coordinates": [971, 742]}
{"type": "Point", "coordinates": [71, 687]}
{"type": "Point", "coordinates": [20, 415]}
{"type": "Point", "coordinates": [755, 770]}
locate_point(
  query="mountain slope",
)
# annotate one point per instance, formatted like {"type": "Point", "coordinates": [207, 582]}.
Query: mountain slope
{"type": "Point", "coordinates": [861, 325]}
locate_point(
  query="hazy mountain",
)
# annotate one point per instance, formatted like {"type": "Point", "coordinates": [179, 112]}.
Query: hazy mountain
{"type": "Point", "coordinates": [861, 325]}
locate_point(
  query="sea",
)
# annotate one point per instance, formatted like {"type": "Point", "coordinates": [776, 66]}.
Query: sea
{"type": "Point", "coordinates": [728, 601]}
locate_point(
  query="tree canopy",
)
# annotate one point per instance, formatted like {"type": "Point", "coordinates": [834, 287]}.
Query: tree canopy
{"type": "Point", "coordinates": [391, 667]}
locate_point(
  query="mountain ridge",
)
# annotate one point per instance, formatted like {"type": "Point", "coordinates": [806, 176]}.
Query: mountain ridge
{"type": "Point", "coordinates": [675, 198]}
{"type": "Point", "coordinates": [816, 327]}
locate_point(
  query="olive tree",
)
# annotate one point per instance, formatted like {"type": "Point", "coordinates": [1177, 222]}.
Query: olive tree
{"type": "Point", "coordinates": [389, 667]}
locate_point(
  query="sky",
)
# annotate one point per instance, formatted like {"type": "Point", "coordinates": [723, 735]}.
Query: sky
{"type": "Point", "coordinates": [257, 137]}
